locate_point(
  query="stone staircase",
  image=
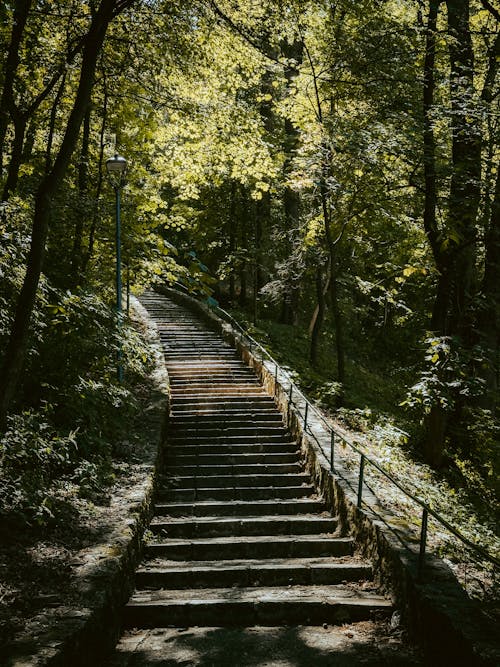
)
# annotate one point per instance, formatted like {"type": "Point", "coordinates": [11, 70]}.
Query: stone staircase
{"type": "Point", "coordinates": [240, 537]}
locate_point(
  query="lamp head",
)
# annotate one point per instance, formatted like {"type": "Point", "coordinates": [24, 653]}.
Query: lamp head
{"type": "Point", "coordinates": [116, 167]}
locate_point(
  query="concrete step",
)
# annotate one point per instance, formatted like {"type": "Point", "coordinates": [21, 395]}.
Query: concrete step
{"type": "Point", "coordinates": [249, 438]}
{"type": "Point", "coordinates": [254, 546]}
{"type": "Point", "coordinates": [198, 469]}
{"type": "Point", "coordinates": [234, 481]}
{"type": "Point", "coordinates": [221, 376]}
{"type": "Point", "coordinates": [240, 507]}
{"type": "Point", "coordinates": [215, 526]}
{"type": "Point", "coordinates": [251, 572]}
{"type": "Point", "coordinates": [225, 416]}
{"type": "Point", "coordinates": [232, 494]}
{"type": "Point", "coordinates": [211, 390]}
{"type": "Point", "coordinates": [304, 605]}
{"type": "Point", "coordinates": [229, 431]}
{"type": "Point", "coordinates": [229, 448]}
{"type": "Point", "coordinates": [234, 460]}
{"type": "Point", "coordinates": [229, 401]}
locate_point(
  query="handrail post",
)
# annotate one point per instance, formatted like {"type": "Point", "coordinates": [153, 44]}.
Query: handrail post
{"type": "Point", "coordinates": [275, 379]}
{"type": "Point", "coordinates": [332, 451]}
{"type": "Point", "coordinates": [360, 481]}
{"type": "Point", "coordinates": [423, 541]}
{"type": "Point", "coordinates": [305, 416]}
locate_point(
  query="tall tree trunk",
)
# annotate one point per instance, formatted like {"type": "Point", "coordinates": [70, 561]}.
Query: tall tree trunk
{"type": "Point", "coordinates": [20, 16]}
{"type": "Point", "coordinates": [489, 315]}
{"type": "Point", "coordinates": [82, 209]}
{"type": "Point", "coordinates": [16, 347]}
{"type": "Point", "coordinates": [320, 315]}
{"type": "Point", "coordinates": [452, 312]}
{"type": "Point", "coordinates": [466, 158]}
{"type": "Point", "coordinates": [339, 327]}
{"type": "Point", "coordinates": [52, 124]}
{"type": "Point", "coordinates": [293, 52]}
{"type": "Point", "coordinates": [315, 313]}
{"type": "Point", "coordinates": [100, 168]}
{"type": "Point", "coordinates": [16, 155]}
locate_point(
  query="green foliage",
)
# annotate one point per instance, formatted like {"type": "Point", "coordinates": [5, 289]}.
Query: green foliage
{"type": "Point", "coordinates": [34, 456]}
{"type": "Point", "coordinates": [446, 380]}
{"type": "Point", "coordinates": [477, 454]}
{"type": "Point", "coordinates": [63, 446]}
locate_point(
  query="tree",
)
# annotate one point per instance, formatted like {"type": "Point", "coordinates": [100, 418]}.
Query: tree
{"type": "Point", "coordinates": [14, 353]}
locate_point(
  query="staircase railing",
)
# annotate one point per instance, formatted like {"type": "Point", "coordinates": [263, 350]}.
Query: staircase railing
{"type": "Point", "coordinates": [335, 436]}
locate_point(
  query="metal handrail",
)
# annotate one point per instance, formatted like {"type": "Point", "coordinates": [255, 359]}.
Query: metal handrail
{"type": "Point", "coordinates": [364, 458]}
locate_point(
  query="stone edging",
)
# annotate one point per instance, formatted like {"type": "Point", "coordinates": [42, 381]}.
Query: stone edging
{"type": "Point", "coordinates": [449, 626]}
{"type": "Point", "coordinates": [80, 636]}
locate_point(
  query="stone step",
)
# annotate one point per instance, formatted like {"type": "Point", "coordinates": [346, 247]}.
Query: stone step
{"type": "Point", "coordinates": [220, 402]}
{"type": "Point", "coordinates": [230, 449]}
{"type": "Point", "coordinates": [211, 390]}
{"type": "Point", "coordinates": [200, 356]}
{"type": "Point", "coordinates": [297, 605]}
{"type": "Point", "coordinates": [252, 572]}
{"type": "Point", "coordinates": [234, 481]}
{"type": "Point", "coordinates": [250, 438]}
{"type": "Point", "coordinates": [221, 460]}
{"type": "Point", "coordinates": [242, 493]}
{"type": "Point", "coordinates": [208, 366]}
{"type": "Point", "coordinates": [237, 430]}
{"type": "Point", "coordinates": [221, 376]}
{"type": "Point", "coordinates": [237, 526]}
{"type": "Point", "coordinates": [254, 546]}
{"type": "Point", "coordinates": [240, 507]}
{"type": "Point", "coordinates": [199, 469]}
{"type": "Point", "coordinates": [258, 400]}
{"type": "Point", "coordinates": [230, 415]}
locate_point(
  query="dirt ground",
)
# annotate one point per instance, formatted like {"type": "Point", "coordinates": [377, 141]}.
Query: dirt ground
{"type": "Point", "coordinates": [367, 643]}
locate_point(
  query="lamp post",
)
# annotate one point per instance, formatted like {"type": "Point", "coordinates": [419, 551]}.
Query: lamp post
{"type": "Point", "coordinates": [117, 168]}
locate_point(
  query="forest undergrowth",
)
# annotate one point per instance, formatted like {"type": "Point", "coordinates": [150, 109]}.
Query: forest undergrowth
{"type": "Point", "coordinates": [63, 459]}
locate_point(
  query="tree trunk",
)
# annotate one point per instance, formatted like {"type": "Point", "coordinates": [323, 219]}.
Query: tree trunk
{"type": "Point", "coordinates": [52, 125]}
{"type": "Point", "coordinates": [18, 339]}
{"type": "Point", "coordinates": [293, 52]}
{"type": "Point", "coordinates": [318, 322]}
{"type": "Point", "coordinates": [430, 198]}
{"type": "Point", "coordinates": [457, 264]}
{"type": "Point", "coordinates": [21, 11]}
{"type": "Point", "coordinates": [315, 314]}
{"type": "Point", "coordinates": [82, 212]}
{"type": "Point", "coordinates": [339, 327]}
{"type": "Point", "coordinates": [489, 315]}
{"type": "Point", "coordinates": [466, 173]}
{"type": "Point", "coordinates": [98, 190]}
{"type": "Point", "coordinates": [16, 155]}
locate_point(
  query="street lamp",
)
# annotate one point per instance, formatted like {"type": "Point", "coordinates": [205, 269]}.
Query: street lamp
{"type": "Point", "coordinates": [117, 169]}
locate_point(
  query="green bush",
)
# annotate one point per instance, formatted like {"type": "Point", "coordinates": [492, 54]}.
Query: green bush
{"type": "Point", "coordinates": [33, 455]}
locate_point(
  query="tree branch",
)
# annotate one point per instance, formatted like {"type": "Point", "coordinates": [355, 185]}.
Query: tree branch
{"type": "Point", "coordinates": [492, 10]}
